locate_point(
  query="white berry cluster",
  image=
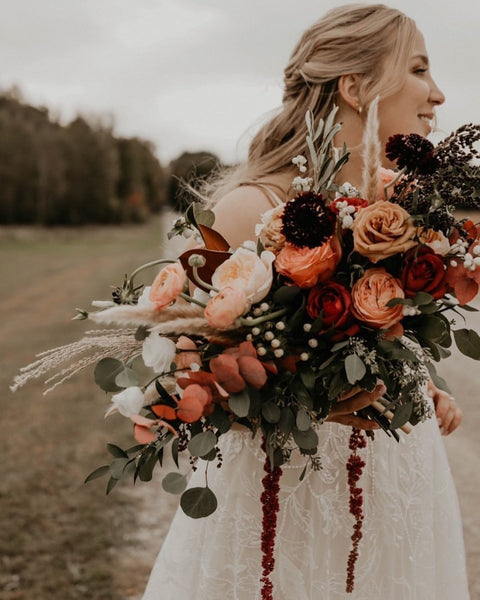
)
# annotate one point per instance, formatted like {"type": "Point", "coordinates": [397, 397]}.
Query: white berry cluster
{"type": "Point", "coordinates": [470, 260]}
{"type": "Point", "coordinates": [345, 213]}
{"type": "Point", "coordinates": [302, 184]}
{"type": "Point", "coordinates": [300, 162]}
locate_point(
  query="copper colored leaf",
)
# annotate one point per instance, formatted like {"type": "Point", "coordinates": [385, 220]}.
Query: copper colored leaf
{"type": "Point", "coordinates": [214, 260]}
{"type": "Point", "coordinates": [213, 240]}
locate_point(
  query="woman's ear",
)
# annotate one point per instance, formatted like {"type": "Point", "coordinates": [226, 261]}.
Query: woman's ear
{"type": "Point", "coordinates": [349, 91]}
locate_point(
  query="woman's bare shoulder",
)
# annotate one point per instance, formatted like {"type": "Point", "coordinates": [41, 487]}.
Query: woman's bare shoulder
{"type": "Point", "coordinates": [237, 213]}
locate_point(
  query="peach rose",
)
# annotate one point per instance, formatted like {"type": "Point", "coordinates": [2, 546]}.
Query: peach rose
{"type": "Point", "coordinates": [270, 230]}
{"type": "Point", "coordinates": [167, 285]}
{"type": "Point", "coordinates": [184, 360]}
{"type": "Point", "coordinates": [371, 293]}
{"type": "Point", "coordinates": [385, 176]}
{"type": "Point", "coordinates": [435, 240]}
{"type": "Point", "coordinates": [308, 266]}
{"type": "Point", "coordinates": [224, 308]}
{"type": "Point", "coordinates": [382, 230]}
{"type": "Point", "coordinates": [247, 270]}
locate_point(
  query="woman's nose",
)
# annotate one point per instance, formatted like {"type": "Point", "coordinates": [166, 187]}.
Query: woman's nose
{"type": "Point", "coordinates": [436, 95]}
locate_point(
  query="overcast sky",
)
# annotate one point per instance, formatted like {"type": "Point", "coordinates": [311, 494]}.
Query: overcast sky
{"type": "Point", "coordinates": [199, 74]}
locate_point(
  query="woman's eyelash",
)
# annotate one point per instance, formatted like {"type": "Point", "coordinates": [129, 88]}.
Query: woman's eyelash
{"type": "Point", "coordinates": [420, 70]}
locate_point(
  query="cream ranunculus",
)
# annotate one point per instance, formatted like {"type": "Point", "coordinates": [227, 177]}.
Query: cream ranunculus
{"type": "Point", "coordinates": [127, 403]}
{"type": "Point", "coordinates": [158, 352]}
{"type": "Point", "coordinates": [435, 240]}
{"type": "Point", "coordinates": [248, 271]}
{"type": "Point", "coordinates": [382, 230]}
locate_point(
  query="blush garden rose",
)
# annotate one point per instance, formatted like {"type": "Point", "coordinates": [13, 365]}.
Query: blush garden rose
{"type": "Point", "coordinates": [370, 295]}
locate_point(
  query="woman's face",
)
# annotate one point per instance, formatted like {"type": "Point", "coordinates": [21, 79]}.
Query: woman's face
{"type": "Point", "coordinates": [412, 108]}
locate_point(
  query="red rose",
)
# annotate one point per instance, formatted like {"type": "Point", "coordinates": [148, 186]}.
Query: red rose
{"type": "Point", "coordinates": [423, 271]}
{"type": "Point", "coordinates": [333, 301]}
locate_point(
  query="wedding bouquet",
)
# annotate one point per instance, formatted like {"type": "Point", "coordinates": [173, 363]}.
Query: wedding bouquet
{"type": "Point", "coordinates": [340, 290]}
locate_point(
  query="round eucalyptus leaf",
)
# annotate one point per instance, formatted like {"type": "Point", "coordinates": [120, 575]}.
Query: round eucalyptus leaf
{"type": "Point", "coordinates": [240, 403]}
{"type": "Point", "coordinates": [306, 439]}
{"type": "Point", "coordinates": [198, 502]}
{"type": "Point", "coordinates": [303, 420]}
{"type": "Point", "coordinates": [174, 483]}
{"type": "Point", "coordinates": [354, 368]}
{"type": "Point", "coordinates": [126, 378]}
{"type": "Point", "coordinates": [106, 372]}
{"type": "Point", "coordinates": [271, 412]}
{"type": "Point", "coordinates": [202, 443]}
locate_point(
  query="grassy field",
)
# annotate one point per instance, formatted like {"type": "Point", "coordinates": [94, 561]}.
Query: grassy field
{"type": "Point", "coordinates": [59, 539]}
{"type": "Point", "coordinates": [57, 536]}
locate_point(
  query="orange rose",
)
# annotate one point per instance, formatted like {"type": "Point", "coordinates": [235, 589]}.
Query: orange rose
{"type": "Point", "coordinates": [308, 266]}
{"type": "Point", "coordinates": [382, 230]}
{"type": "Point", "coordinates": [370, 295]}
{"type": "Point", "coordinates": [167, 285]}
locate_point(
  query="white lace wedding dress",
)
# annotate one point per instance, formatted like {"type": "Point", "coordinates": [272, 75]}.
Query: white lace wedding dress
{"type": "Point", "coordinates": [412, 548]}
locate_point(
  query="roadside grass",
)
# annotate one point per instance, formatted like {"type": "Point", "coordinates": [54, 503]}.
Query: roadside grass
{"type": "Point", "coordinates": [57, 536]}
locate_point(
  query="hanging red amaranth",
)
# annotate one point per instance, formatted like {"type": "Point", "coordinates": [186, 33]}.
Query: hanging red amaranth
{"type": "Point", "coordinates": [355, 466]}
{"type": "Point", "coordinates": [270, 508]}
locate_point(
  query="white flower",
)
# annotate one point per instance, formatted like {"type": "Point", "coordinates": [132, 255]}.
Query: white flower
{"type": "Point", "coordinates": [144, 299]}
{"type": "Point", "coordinates": [129, 402]}
{"type": "Point", "coordinates": [158, 352]}
{"type": "Point", "coordinates": [250, 245]}
{"type": "Point", "coordinates": [302, 184]}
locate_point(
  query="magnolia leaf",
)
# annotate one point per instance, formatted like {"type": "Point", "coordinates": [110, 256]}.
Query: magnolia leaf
{"type": "Point", "coordinates": [303, 420]}
{"type": "Point", "coordinates": [401, 415]}
{"type": "Point", "coordinates": [198, 502]}
{"type": "Point", "coordinates": [213, 259]}
{"type": "Point", "coordinates": [354, 368]}
{"type": "Point", "coordinates": [271, 412]}
{"type": "Point", "coordinates": [213, 240]}
{"type": "Point", "coordinates": [126, 378]}
{"type": "Point", "coordinates": [468, 342]}
{"type": "Point", "coordinates": [174, 483]}
{"type": "Point", "coordinates": [202, 443]}
{"type": "Point", "coordinates": [306, 439]}
{"type": "Point", "coordinates": [106, 372]}
{"type": "Point", "coordinates": [240, 403]}
{"type": "Point", "coordinates": [100, 472]}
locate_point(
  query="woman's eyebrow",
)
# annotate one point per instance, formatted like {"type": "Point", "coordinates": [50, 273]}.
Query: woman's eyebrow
{"type": "Point", "coordinates": [421, 57]}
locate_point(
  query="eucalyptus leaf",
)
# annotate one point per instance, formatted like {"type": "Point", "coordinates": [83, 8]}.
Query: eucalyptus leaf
{"type": "Point", "coordinates": [100, 472]}
{"type": "Point", "coordinates": [303, 420]}
{"type": "Point", "coordinates": [286, 295]}
{"type": "Point", "coordinates": [401, 415]}
{"type": "Point", "coordinates": [422, 298]}
{"type": "Point", "coordinates": [220, 420]}
{"type": "Point", "coordinates": [354, 368]}
{"type": "Point", "coordinates": [116, 451]}
{"type": "Point", "coordinates": [117, 466]}
{"type": "Point", "coordinates": [112, 482]}
{"type": "Point", "coordinates": [146, 465]}
{"type": "Point", "coordinates": [306, 439]}
{"type": "Point", "coordinates": [287, 420]}
{"type": "Point", "coordinates": [105, 373]}
{"type": "Point", "coordinates": [468, 342]}
{"type": "Point", "coordinates": [271, 412]}
{"type": "Point", "coordinates": [175, 451]}
{"type": "Point", "coordinates": [202, 443]}
{"type": "Point", "coordinates": [240, 403]}
{"type": "Point", "coordinates": [205, 217]}
{"type": "Point", "coordinates": [126, 378]}
{"type": "Point", "coordinates": [198, 502]}
{"type": "Point", "coordinates": [174, 483]}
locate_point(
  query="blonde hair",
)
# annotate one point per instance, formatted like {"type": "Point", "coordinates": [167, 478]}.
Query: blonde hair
{"type": "Point", "coordinates": [355, 38]}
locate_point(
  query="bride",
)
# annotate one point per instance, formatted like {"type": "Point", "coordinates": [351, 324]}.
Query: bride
{"type": "Point", "coordinates": [412, 548]}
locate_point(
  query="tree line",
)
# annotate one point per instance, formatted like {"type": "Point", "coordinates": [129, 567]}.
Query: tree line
{"type": "Point", "coordinates": [79, 173]}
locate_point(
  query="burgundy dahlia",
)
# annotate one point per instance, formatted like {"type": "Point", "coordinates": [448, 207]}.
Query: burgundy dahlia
{"type": "Point", "coordinates": [413, 152]}
{"type": "Point", "coordinates": [306, 221]}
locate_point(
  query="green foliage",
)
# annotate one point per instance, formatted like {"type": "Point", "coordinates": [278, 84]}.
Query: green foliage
{"type": "Point", "coordinates": [198, 502]}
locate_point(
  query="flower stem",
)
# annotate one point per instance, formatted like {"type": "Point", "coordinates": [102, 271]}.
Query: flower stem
{"type": "Point", "coordinates": [393, 182]}
{"type": "Point", "coordinates": [160, 261]}
{"type": "Point", "coordinates": [249, 322]}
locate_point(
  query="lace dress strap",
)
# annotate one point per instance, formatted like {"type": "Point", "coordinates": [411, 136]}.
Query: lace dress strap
{"type": "Point", "coordinates": [269, 193]}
